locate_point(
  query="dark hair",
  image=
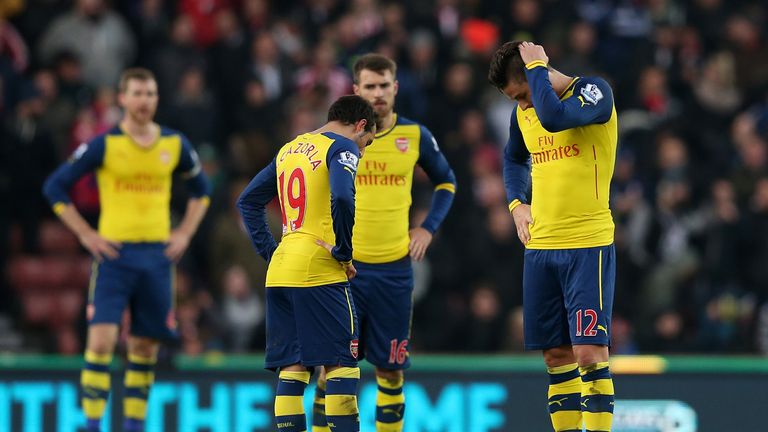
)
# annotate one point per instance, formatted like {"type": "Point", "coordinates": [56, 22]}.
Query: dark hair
{"type": "Point", "coordinates": [507, 65]}
{"type": "Point", "coordinates": [373, 62]}
{"type": "Point", "coordinates": [139, 74]}
{"type": "Point", "coordinates": [351, 109]}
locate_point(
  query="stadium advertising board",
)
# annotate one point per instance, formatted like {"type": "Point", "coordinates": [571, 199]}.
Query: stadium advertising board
{"type": "Point", "coordinates": [241, 401]}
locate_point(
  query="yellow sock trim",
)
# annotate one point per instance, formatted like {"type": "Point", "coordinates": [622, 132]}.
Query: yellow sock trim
{"type": "Point", "coordinates": [289, 405]}
{"type": "Point", "coordinates": [94, 408]}
{"type": "Point", "coordinates": [98, 380]}
{"type": "Point", "coordinates": [139, 379]}
{"type": "Point", "coordinates": [387, 384]}
{"type": "Point", "coordinates": [340, 405]}
{"type": "Point", "coordinates": [566, 420]}
{"type": "Point", "coordinates": [302, 376]}
{"type": "Point", "coordinates": [593, 367]}
{"type": "Point", "coordinates": [597, 387]}
{"type": "Point", "coordinates": [385, 399]}
{"type": "Point", "coordinates": [562, 369]}
{"type": "Point", "coordinates": [137, 359]}
{"type": "Point", "coordinates": [321, 384]}
{"type": "Point", "coordinates": [389, 427]}
{"type": "Point", "coordinates": [564, 388]}
{"type": "Point", "coordinates": [343, 372]}
{"type": "Point", "coordinates": [102, 359]}
{"type": "Point", "coordinates": [598, 421]}
{"type": "Point", "coordinates": [135, 408]}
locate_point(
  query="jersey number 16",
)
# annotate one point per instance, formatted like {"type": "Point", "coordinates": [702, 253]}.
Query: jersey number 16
{"type": "Point", "coordinates": [296, 198]}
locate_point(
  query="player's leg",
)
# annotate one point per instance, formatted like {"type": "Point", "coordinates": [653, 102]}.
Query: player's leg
{"type": "Point", "coordinates": [319, 422]}
{"type": "Point", "coordinates": [139, 377]}
{"type": "Point", "coordinates": [283, 355]}
{"type": "Point", "coordinates": [546, 329]}
{"type": "Point", "coordinates": [390, 400]}
{"type": "Point", "coordinates": [383, 295]}
{"type": "Point", "coordinates": [152, 320]}
{"type": "Point", "coordinates": [95, 380]}
{"type": "Point", "coordinates": [108, 294]}
{"type": "Point", "coordinates": [289, 399]}
{"type": "Point", "coordinates": [589, 288]}
{"type": "Point", "coordinates": [564, 394]}
{"type": "Point", "coordinates": [327, 328]}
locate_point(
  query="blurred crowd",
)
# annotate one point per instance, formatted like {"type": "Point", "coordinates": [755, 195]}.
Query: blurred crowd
{"type": "Point", "coordinates": [241, 77]}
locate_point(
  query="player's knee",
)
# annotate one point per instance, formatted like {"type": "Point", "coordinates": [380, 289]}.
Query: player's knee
{"type": "Point", "coordinates": [100, 345]}
{"type": "Point", "coordinates": [559, 356]}
{"type": "Point", "coordinates": [143, 347]}
{"type": "Point", "coordinates": [590, 354]}
{"type": "Point", "coordinates": [391, 376]}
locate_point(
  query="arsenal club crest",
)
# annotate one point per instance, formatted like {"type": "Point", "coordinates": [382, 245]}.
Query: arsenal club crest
{"type": "Point", "coordinates": [402, 144]}
{"type": "Point", "coordinates": [353, 347]}
{"type": "Point", "coordinates": [165, 157]}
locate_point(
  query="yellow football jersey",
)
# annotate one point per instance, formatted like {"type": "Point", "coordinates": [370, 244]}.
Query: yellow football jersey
{"type": "Point", "coordinates": [571, 172]}
{"type": "Point", "coordinates": [304, 193]}
{"type": "Point", "coordinates": [384, 182]}
{"type": "Point", "coordinates": [134, 182]}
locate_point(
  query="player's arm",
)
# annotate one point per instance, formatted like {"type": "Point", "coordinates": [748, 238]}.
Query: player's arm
{"type": "Point", "coordinates": [342, 168]}
{"type": "Point", "coordinates": [591, 103]}
{"type": "Point", "coordinates": [199, 192]}
{"type": "Point", "coordinates": [252, 205]}
{"type": "Point", "coordinates": [56, 188]}
{"type": "Point", "coordinates": [432, 160]}
{"type": "Point", "coordinates": [517, 167]}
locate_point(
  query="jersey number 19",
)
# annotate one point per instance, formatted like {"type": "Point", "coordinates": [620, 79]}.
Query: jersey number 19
{"type": "Point", "coordinates": [296, 193]}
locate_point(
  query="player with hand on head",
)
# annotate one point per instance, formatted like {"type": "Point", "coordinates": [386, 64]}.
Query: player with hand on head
{"type": "Point", "coordinates": [134, 247]}
{"type": "Point", "coordinates": [311, 318]}
{"type": "Point", "coordinates": [563, 133]}
{"type": "Point", "coordinates": [383, 244]}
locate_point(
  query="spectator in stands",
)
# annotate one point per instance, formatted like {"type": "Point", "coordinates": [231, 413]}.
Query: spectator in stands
{"type": "Point", "coordinates": [100, 37]}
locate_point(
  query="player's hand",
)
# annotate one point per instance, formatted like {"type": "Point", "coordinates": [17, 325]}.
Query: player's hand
{"type": "Point", "coordinates": [531, 52]}
{"type": "Point", "coordinates": [420, 240]}
{"type": "Point", "coordinates": [349, 268]}
{"type": "Point", "coordinates": [523, 220]}
{"type": "Point", "coordinates": [98, 246]}
{"type": "Point", "coordinates": [177, 245]}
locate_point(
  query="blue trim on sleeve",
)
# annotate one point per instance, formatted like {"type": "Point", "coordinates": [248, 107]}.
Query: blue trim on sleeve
{"type": "Point", "coordinates": [342, 159]}
{"type": "Point", "coordinates": [252, 205]}
{"type": "Point", "coordinates": [432, 160]}
{"type": "Point", "coordinates": [580, 109]}
{"type": "Point", "coordinates": [516, 162]}
{"type": "Point", "coordinates": [86, 158]}
{"type": "Point", "coordinates": [190, 167]}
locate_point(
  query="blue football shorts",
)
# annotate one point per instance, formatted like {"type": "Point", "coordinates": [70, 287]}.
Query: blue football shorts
{"type": "Point", "coordinates": [141, 278]}
{"type": "Point", "coordinates": [568, 296]}
{"type": "Point", "coordinates": [312, 326]}
{"type": "Point", "coordinates": [384, 298]}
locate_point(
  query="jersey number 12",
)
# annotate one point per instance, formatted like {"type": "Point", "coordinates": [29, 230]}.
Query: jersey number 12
{"type": "Point", "coordinates": [295, 199]}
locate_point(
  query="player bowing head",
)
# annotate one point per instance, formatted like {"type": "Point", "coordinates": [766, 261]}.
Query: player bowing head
{"type": "Point", "coordinates": [354, 110]}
